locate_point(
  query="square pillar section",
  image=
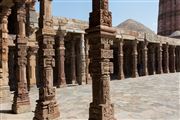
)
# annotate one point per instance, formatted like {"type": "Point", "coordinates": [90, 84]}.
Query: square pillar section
{"type": "Point", "coordinates": [47, 107]}
{"type": "Point", "coordinates": [100, 35]}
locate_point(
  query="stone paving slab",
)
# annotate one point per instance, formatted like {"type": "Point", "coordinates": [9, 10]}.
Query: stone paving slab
{"type": "Point", "coordinates": [145, 98]}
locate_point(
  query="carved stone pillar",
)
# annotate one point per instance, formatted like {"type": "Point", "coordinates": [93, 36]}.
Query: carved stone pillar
{"type": "Point", "coordinates": [47, 107]}
{"type": "Point", "coordinates": [152, 59]}
{"type": "Point", "coordinates": [172, 57]}
{"type": "Point", "coordinates": [166, 58]}
{"type": "Point", "coordinates": [82, 60]}
{"type": "Point", "coordinates": [134, 59]}
{"type": "Point", "coordinates": [159, 59]}
{"type": "Point", "coordinates": [120, 59]}
{"type": "Point", "coordinates": [4, 87]}
{"type": "Point", "coordinates": [88, 77]}
{"type": "Point", "coordinates": [21, 102]}
{"type": "Point", "coordinates": [60, 49]}
{"type": "Point", "coordinates": [31, 67]}
{"type": "Point", "coordinates": [100, 35]}
{"type": "Point", "coordinates": [145, 58]}
{"type": "Point", "coordinates": [73, 62]}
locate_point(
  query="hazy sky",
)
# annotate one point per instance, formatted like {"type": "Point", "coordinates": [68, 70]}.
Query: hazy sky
{"type": "Point", "coordinates": [143, 11]}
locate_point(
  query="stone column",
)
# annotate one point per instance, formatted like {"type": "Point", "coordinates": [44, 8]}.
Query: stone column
{"type": "Point", "coordinates": [73, 62]}
{"type": "Point", "coordinates": [4, 75]}
{"type": "Point", "coordinates": [47, 107]}
{"type": "Point", "coordinates": [60, 48]}
{"type": "Point", "coordinates": [173, 60]}
{"type": "Point", "coordinates": [152, 59]}
{"type": "Point", "coordinates": [31, 67]}
{"type": "Point", "coordinates": [88, 77]}
{"type": "Point", "coordinates": [145, 58]}
{"type": "Point", "coordinates": [100, 35]}
{"type": "Point", "coordinates": [159, 58]}
{"type": "Point", "coordinates": [82, 60]}
{"type": "Point", "coordinates": [134, 59]}
{"type": "Point", "coordinates": [166, 58]}
{"type": "Point", "coordinates": [120, 59]}
{"type": "Point", "coordinates": [21, 101]}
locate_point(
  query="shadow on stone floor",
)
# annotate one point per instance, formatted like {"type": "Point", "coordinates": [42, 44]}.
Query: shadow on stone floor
{"type": "Point", "coordinates": [6, 111]}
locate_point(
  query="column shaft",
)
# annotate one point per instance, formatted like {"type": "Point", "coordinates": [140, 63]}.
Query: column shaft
{"type": "Point", "coordinates": [82, 60]}
{"type": "Point", "coordinates": [134, 59]}
{"type": "Point", "coordinates": [145, 58]}
{"type": "Point", "coordinates": [73, 63]}
{"type": "Point", "coordinates": [120, 60]}
{"type": "Point", "coordinates": [166, 58]}
{"type": "Point", "coordinates": [159, 59]}
{"type": "Point", "coordinates": [61, 59]}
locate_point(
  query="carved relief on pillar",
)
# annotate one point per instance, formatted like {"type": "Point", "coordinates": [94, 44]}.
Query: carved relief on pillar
{"type": "Point", "coordinates": [134, 59]}
{"type": "Point", "coordinates": [60, 59]}
{"type": "Point", "coordinates": [21, 102]}
{"type": "Point", "coordinates": [121, 59]}
{"type": "Point", "coordinates": [46, 108]}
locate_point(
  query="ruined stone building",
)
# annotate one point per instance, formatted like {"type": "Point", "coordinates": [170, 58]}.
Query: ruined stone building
{"type": "Point", "coordinates": [138, 51]}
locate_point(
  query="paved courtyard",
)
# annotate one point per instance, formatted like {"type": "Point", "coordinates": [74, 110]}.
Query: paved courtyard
{"type": "Point", "coordinates": [144, 98]}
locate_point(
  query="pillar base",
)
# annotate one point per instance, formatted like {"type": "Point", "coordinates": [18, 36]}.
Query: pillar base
{"type": "Point", "coordinates": [46, 110]}
{"type": "Point", "coordinates": [120, 77]}
{"type": "Point", "coordinates": [101, 112]}
{"type": "Point", "coordinates": [61, 86]}
{"type": "Point", "coordinates": [21, 107]}
{"type": "Point", "coordinates": [4, 92]}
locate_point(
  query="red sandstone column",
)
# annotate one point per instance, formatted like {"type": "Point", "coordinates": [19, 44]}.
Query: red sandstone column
{"type": "Point", "coordinates": [60, 59]}
{"type": "Point", "coordinates": [172, 59]}
{"type": "Point", "coordinates": [159, 59]}
{"type": "Point", "coordinates": [4, 75]}
{"type": "Point", "coordinates": [120, 59]}
{"type": "Point", "coordinates": [166, 58]}
{"type": "Point", "coordinates": [21, 102]}
{"type": "Point", "coordinates": [47, 107]}
{"type": "Point", "coordinates": [134, 59]}
{"type": "Point", "coordinates": [145, 58]}
{"type": "Point", "coordinates": [101, 35]}
{"type": "Point", "coordinates": [82, 60]}
{"type": "Point", "coordinates": [88, 77]}
{"type": "Point", "coordinates": [152, 59]}
{"type": "Point", "coordinates": [73, 62]}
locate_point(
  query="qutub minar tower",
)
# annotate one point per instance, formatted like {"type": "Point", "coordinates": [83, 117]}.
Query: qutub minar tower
{"type": "Point", "coordinates": [169, 17]}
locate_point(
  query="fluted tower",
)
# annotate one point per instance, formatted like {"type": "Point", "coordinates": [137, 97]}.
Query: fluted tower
{"type": "Point", "coordinates": [169, 17]}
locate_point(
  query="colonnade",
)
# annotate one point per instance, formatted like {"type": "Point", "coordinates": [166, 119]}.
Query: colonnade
{"type": "Point", "coordinates": [147, 58]}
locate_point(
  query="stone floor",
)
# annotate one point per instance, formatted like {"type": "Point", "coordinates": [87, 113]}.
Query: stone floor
{"type": "Point", "coordinates": [144, 98]}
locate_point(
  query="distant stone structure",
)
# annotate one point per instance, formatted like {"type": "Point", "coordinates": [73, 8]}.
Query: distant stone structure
{"type": "Point", "coordinates": [69, 54]}
{"type": "Point", "coordinates": [169, 18]}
